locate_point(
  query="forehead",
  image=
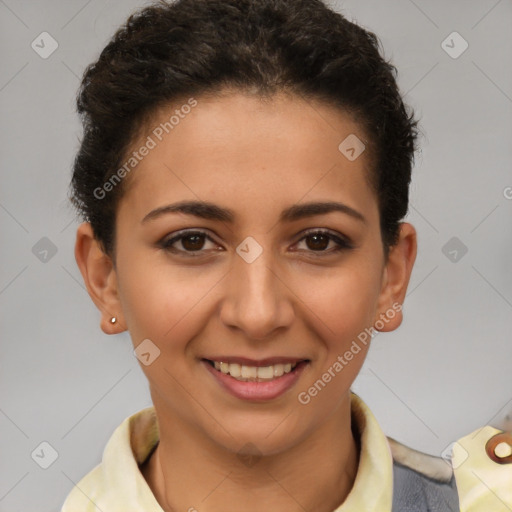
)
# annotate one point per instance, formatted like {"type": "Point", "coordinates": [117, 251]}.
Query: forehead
{"type": "Point", "coordinates": [247, 151]}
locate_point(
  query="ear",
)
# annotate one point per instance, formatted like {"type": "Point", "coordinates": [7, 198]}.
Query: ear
{"type": "Point", "coordinates": [100, 279]}
{"type": "Point", "coordinates": [395, 279]}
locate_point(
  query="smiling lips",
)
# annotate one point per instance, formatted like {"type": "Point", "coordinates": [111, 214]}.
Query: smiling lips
{"type": "Point", "coordinates": [247, 373]}
{"type": "Point", "coordinates": [256, 380]}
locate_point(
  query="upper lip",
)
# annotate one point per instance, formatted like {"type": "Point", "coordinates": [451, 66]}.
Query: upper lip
{"type": "Point", "coordinates": [244, 361]}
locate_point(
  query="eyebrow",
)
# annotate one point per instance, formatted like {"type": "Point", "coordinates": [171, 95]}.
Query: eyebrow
{"type": "Point", "coordinates": [210, 211]}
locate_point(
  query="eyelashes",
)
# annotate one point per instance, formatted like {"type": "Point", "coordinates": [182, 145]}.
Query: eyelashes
{"type": "Point", "coordinates": [185, 235]}
{"type": "Point", "coordinates": [193, 246]}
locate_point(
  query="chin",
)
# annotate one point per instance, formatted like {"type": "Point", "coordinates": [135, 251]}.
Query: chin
{"type": "Point", "coordinates": [255, 437]}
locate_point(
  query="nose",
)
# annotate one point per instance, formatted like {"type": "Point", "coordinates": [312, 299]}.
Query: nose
{"type": "Point", "coordinates": [257, 299]}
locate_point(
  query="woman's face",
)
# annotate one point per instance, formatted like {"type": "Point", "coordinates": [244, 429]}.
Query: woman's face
{"type": "Point", "coordinates": [250, 288]}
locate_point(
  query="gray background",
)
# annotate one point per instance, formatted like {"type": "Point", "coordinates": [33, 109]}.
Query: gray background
{"type": "Point", "coordinates": [445, 372]}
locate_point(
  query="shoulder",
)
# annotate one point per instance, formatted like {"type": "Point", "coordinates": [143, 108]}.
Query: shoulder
{"type": "Point", "coordinates": [117, 484]}
{"type": "Point", "coordinates": [471, 478]}
{"type": "Point", "coordinates": [422, 482]}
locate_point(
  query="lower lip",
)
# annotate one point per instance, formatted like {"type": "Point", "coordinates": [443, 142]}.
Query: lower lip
{"type": "Point", "coordinates": [257, 391]}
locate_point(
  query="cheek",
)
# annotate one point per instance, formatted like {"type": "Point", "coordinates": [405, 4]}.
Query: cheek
{"type": "Point", "coordinates": [342, 301]}
{"type": "Point", "coordinates": [164, 308]}
{"type": "Point", "coordinates": [344, 309]}
{"type": "Point", "coordinates": [162, 303]}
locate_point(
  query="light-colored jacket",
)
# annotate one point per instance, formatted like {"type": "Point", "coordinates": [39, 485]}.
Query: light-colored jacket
{"type": "Point", "coordinates": [475, 477]}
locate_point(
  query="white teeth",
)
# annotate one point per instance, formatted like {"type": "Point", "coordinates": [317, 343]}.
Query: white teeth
{"type": "Point", "coordinates": [254, 373]}
{"type": "Point", "coordinates": [249, 372]}
{"type": "Point", "coordinates": [235, 370]}
{"type": "Point", "coordinates": [265, 372]}
{"type": "Point", "coordinates": [278, 370]}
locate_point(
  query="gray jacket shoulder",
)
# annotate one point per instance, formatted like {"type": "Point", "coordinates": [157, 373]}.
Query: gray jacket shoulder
{"type": "Point", "coordinates": [421, 482]}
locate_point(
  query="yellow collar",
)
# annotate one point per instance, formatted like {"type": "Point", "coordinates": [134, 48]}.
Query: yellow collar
{"type": "Point", "coordinates": [117, 485]}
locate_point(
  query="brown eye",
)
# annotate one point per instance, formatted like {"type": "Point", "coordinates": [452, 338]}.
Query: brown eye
{"type": "Point", "coordinates": [191, 241]}
{"type": "Point", "coordinates": [318, 241]}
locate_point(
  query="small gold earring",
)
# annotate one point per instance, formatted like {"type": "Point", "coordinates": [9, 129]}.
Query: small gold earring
{"type": "Point", "coordinates": [113, 320]}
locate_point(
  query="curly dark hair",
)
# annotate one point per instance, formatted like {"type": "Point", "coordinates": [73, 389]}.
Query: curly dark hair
{"type": "Point", "coordinates": [191, 47]}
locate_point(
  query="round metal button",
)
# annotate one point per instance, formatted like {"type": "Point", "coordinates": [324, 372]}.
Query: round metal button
{"type": "Point", "coordinates": [499, 448]}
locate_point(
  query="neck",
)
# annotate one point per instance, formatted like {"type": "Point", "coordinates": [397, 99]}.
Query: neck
{"type": "Point", "coordinates": [314, 475]}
